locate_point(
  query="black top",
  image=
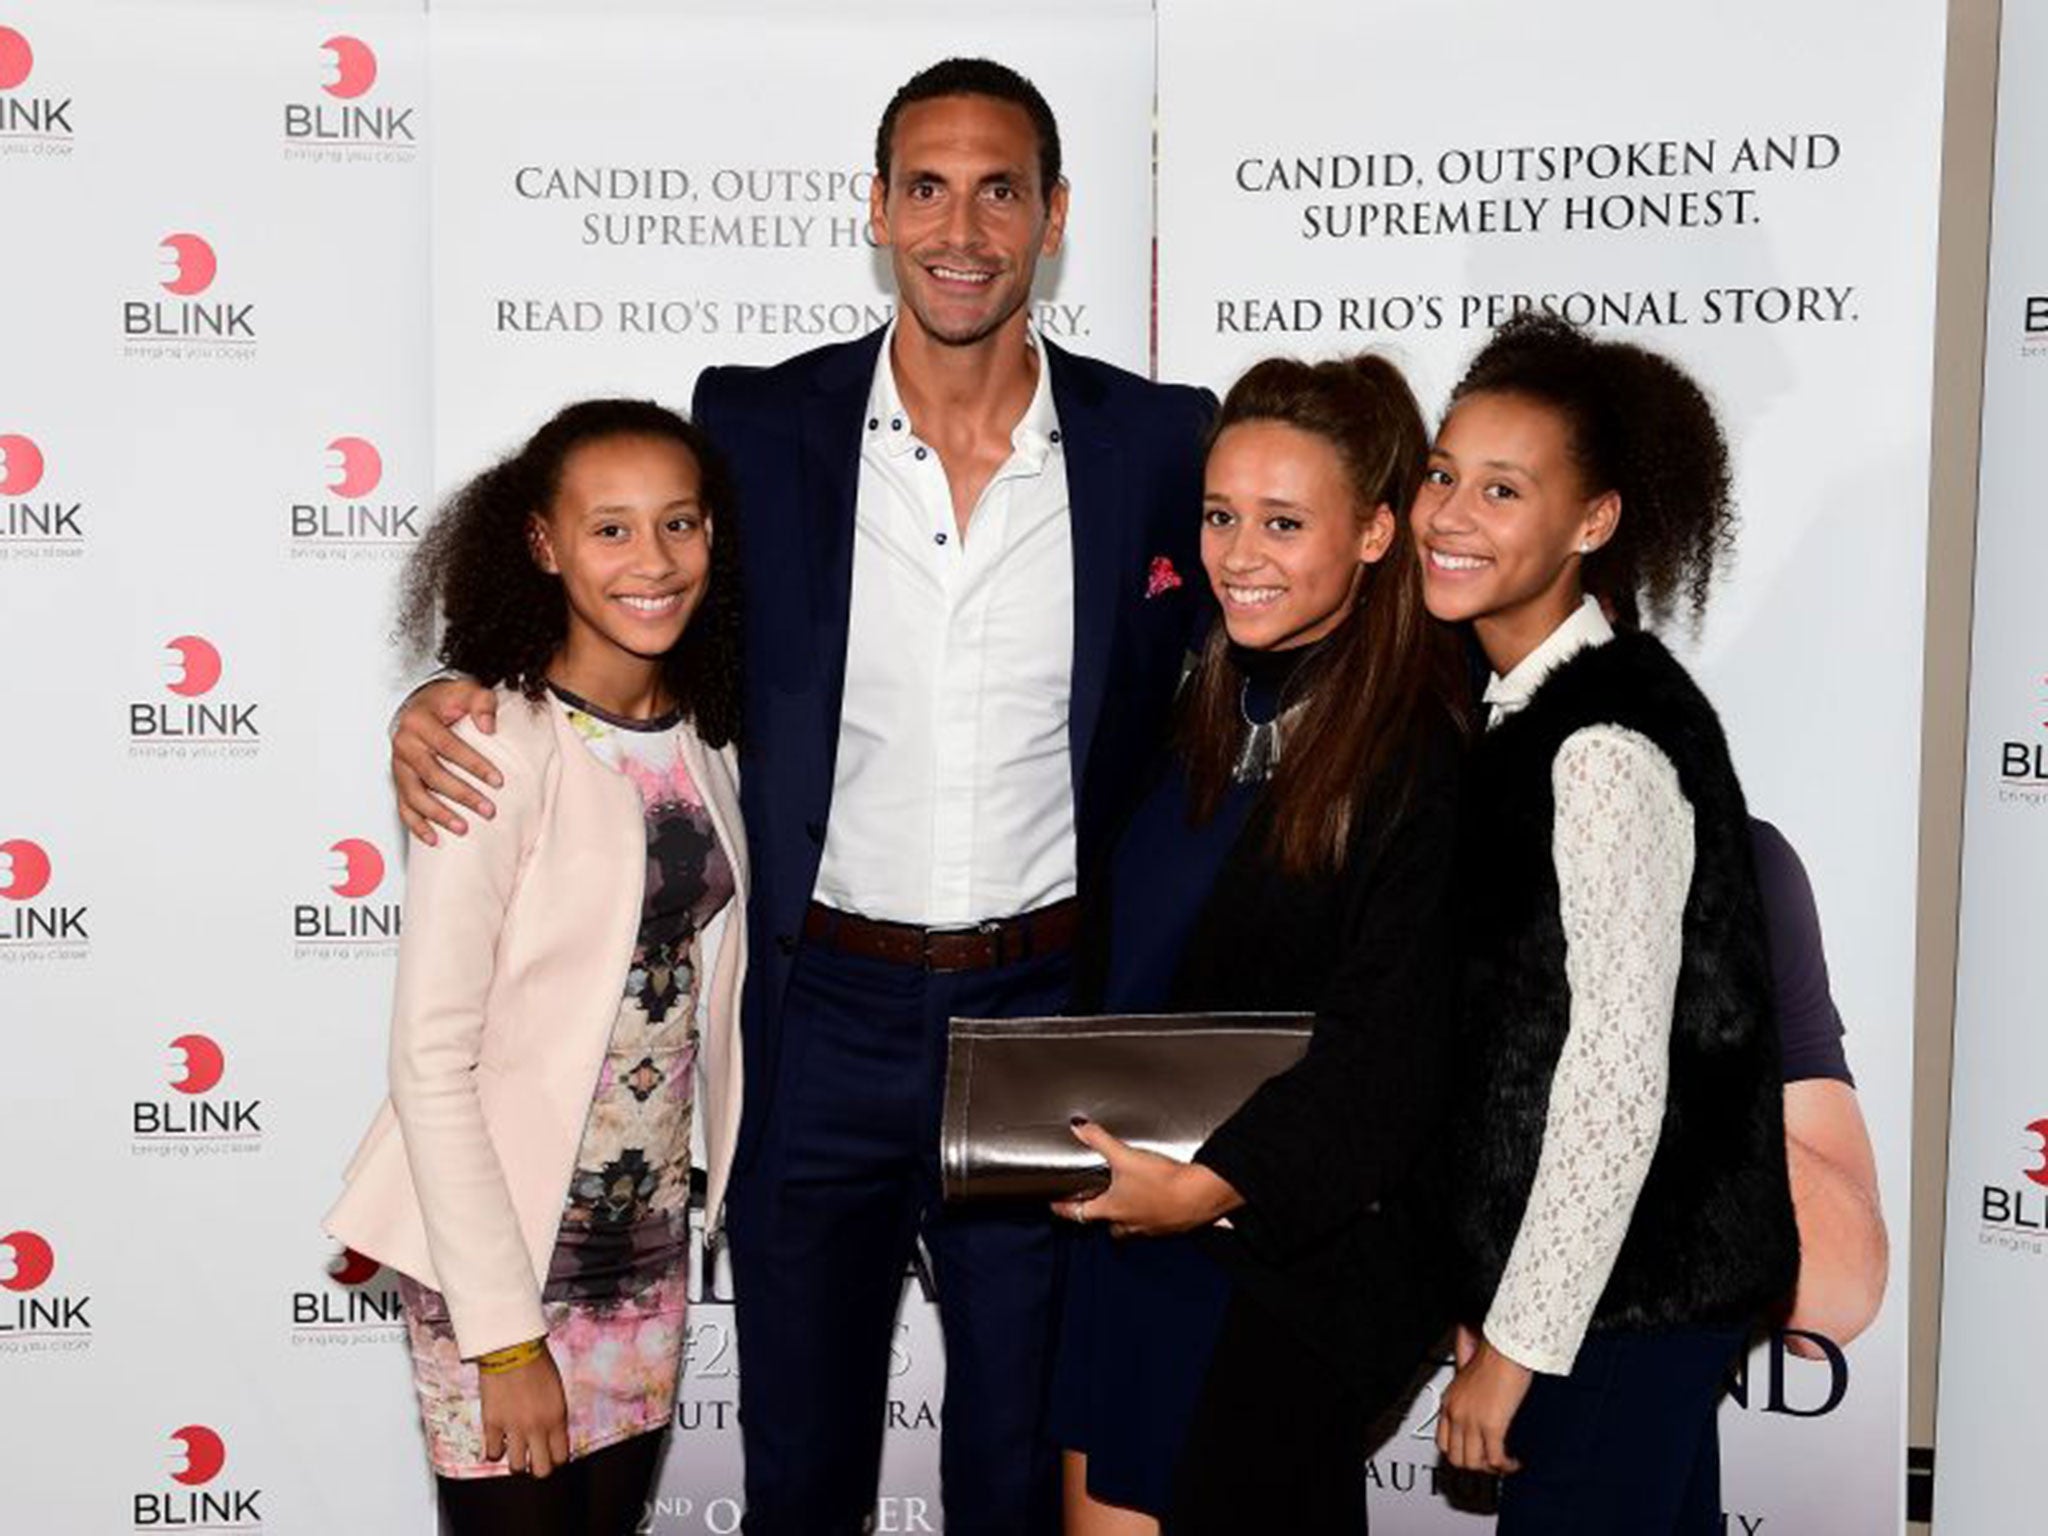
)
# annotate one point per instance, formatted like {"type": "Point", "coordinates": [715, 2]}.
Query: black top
{"type": "Point", "coordinates": [1809, 1026]}
{"type": "Point", "coordinates": [1329, 1155]}
{"type": "Point", "coordinates": [1166, 865]}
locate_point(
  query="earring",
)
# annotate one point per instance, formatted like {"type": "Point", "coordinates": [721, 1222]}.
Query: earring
{"type": "Point", "coordinates": [1586, 547]}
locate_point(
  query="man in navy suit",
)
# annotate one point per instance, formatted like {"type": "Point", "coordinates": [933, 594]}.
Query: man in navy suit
{"type": "Point", "coordinates": [972, 574]}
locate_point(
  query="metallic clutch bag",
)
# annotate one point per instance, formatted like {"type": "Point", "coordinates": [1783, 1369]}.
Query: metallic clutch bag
{"type": "Point", "coordinates": [1159, 1081]}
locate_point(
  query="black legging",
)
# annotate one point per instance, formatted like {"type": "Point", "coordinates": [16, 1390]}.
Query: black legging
{"type": "Point", "coordinates": [602, 1494]}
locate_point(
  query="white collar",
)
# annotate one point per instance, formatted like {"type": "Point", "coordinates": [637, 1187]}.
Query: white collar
{"type": "Point", "coordinates": [1034, 437]}
{"type": "Point", "coordinates": [1586, 627]}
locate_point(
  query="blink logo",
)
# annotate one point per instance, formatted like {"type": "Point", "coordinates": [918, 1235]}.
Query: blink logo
{"type": "Point", "coordinates": [30, 123]}
{"type": "Point", "coordinates": [192, 1121]}
{"type": "Point", "coordinates": [34, 526]}
{"type": "Point", "coordinates": [193, 723]}
{"type": "Point", "coordinates": [359, 1304]}
{"type": "Point", "coordinates": [197, 1457]}
{"type": "Point", "coordinates": [353, 521]}
{"type": "Point", "coordinates": [2023, 760]}
{"type": "Point", "coordinates": [356, 926]}
{"type": "Point", "coordinates": [346, 126]}
{"type": "Point", "coordinates": [192, 322]}
{"type": "Point", "coordinates": [31, 929]}
{"type": "Point", "coordinates": [2014, 1216]}
{"type": "Point", "coordinates": [2037, 317]}
{"type": "Point", "coordinates": [36, 1316]}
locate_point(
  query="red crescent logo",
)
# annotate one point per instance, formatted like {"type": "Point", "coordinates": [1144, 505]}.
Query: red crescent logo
{"type": "Point", "coordinates": [27, 869]}
{"type": "Point", "coordinates": [2039, 1175]}
{"type": "Point", "coordinates": [201, 666]}
{"type": "Point", "coordinates": [355, 67]}
{"type": "Point", "coordinates": [204, 1062]}
{"type": "Point", "coordinates": [16, 58]}
{"type": "Point", "coordinates": [354, 1268]}
{"type": "Point", "coordinates": [205, 1455]}
{"type": "Point", "coordinates": [196, 264]}
{"type": "Point", "coordinates": [33, 1260]}
{"type": "Point", "coordinates": [362, 467]}
{"type": "Point", "coordinates": [363, 869]}
{"type": "Point", "coordinates": [21, 465]}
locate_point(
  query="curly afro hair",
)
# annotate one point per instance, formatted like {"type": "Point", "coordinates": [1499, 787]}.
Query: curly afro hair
{"type": "Point", "coordinates": [500, 618]}
{"type": "Point", "coordinates": [1640, 427]}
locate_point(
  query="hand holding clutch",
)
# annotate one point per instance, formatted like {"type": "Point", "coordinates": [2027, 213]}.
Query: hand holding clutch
{"type": "Point", "coordinates": [1014, 1088]}
{"type": "Point", "coordinates": [1148, 1195]}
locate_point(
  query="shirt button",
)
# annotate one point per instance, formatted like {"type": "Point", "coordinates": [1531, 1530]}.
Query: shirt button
{"type": "Point", "coordinates": [1055, 433]}
{"type": "Point", "coordinates": [921, 453]}
{"type": "Point", "coordinates": [874, 422]}
{"type": "Point", "coordinates": [895, 423]}
{"type": "Point", "coordinates": [938, 538]}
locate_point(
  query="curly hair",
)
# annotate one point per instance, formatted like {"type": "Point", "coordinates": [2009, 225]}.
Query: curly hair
{"type": "Point", "coordinates": [474, 598]}
{"type": "Point", "coordinates": [1387, 676]}
{"type": "Point", "coordinates": [1639, 426]}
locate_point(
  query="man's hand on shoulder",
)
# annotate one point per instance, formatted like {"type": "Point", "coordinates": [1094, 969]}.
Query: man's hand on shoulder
{"type": "Point", "coordinates": [429, 761]}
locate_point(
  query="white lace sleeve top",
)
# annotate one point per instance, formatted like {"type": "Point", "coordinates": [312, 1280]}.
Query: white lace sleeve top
{"type": "Point", "coordinates": [1622, 843]}
{"type": "Point", "coordinates": [1623, 847]}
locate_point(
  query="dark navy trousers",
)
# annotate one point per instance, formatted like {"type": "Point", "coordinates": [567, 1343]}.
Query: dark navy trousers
{"type": "Point", "coordinates": [823, 1222]}
{"type": "Point", "coordinates": [1628, 1444]}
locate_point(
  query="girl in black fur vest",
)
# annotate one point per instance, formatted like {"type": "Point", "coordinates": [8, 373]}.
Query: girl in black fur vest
{"type": "Point", "coordinates": [1621, 1209]}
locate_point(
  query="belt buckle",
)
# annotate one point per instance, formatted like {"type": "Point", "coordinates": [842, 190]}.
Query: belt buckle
{"type": "Point", "coordinates": [990, 928]}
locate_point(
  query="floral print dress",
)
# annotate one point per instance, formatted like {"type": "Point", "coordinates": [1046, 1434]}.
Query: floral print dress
{"type": "Point", "coordinates": [614, 1296]}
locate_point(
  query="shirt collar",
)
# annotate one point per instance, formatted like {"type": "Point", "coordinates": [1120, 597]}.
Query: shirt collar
{"type": "Point", "coordinates": [1034, 437]}
{"type": "Point", "coordinates": [1586, 627]}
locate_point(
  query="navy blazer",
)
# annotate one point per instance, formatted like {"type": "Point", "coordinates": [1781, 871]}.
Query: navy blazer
{"type": "Point", "coordinates": [792, 436]}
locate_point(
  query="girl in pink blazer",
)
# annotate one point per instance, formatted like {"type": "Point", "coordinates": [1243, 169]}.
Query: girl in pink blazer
{"type": "Point", "coordinates": [529, 1176]}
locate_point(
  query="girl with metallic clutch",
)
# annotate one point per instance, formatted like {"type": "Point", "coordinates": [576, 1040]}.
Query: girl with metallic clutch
{"type": "Point", "coordinates": [1292, 856]}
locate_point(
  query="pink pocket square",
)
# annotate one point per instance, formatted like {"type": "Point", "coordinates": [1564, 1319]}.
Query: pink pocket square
{"type": "Point", "coordinates": [1161, 578]}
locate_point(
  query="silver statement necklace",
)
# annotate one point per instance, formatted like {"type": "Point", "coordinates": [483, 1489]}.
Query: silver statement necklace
{"type": "Point", "coordinates": [1260, 751]}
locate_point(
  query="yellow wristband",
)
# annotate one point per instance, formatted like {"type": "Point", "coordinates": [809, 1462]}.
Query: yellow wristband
{"type": "Point", "coordinates": [510, 1358]}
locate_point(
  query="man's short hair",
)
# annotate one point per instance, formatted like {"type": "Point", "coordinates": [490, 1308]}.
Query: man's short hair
{"type": "Point", "coordinates": [974, 77]}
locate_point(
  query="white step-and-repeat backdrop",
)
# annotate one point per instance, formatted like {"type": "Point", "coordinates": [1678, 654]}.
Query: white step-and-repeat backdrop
{"type": "Point", "coordinates": [276, 276]}
{"type": "Point", "coordinates": [279, 275]}
{"type": "Point", "coordinates": [1994, 1368]}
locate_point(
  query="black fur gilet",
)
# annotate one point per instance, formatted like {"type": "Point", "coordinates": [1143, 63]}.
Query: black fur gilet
{"type": "Point", "coordinates": [1712, 1238]}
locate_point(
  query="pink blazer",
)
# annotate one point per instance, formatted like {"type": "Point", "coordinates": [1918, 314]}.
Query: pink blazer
{"type": "Point", "coordinates": [511, 967]}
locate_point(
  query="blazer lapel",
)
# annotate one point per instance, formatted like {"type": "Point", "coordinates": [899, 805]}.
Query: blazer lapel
{"type": "Point", "coordinates": [831, 487]}
{"type": "Point", "coordinates": [1099, 524]}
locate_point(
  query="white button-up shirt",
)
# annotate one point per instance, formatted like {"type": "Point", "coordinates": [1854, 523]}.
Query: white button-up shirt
{"type": "Point", "coordinates": [1504, 696]}
{"type": "Point", "coordinates": [953, 792]}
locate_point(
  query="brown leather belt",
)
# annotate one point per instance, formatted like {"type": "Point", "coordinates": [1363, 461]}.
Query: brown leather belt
{"type": "Point", "coordinates": [999, 941]}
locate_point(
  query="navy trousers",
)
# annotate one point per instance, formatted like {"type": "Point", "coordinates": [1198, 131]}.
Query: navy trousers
{"type": "Point", "coordinates": [823, 1222]}
{"type": "Point", "coordinates": [1627, 1444]}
